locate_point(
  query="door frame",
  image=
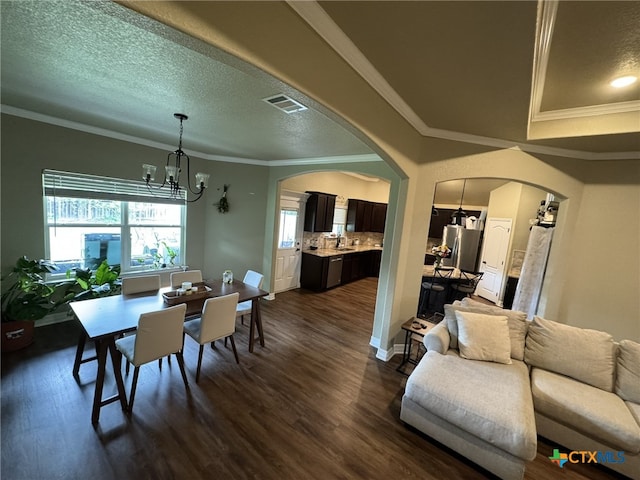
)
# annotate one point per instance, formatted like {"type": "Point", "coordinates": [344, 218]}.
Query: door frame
{"type": "Point", "coordinates": [300, 199]}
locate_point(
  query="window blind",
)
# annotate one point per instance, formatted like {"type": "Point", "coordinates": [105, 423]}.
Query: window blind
{"type": "Point", "coordinates": [78, 185]}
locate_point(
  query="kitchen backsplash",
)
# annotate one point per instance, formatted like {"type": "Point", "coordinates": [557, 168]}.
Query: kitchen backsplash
{"type": "Point", "coordinates": [325, 240]}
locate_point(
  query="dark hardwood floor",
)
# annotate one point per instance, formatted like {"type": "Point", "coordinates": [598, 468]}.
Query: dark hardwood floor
{"type": "Point", "coordinates": [313, 403]}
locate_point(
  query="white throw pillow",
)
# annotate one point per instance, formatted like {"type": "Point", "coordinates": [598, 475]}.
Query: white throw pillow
{"type": "Point", "coordinates": [483, 337]}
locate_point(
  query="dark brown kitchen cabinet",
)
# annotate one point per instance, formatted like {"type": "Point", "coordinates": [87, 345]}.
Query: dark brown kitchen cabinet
{"type": "Point", "coordinates": [374, 263]}
{"type": "Point", "coordinates": [359, 216]}
{"type": "Point", "coordinates": [378, 217]}
{"type": "Point", "coordinates": [319, 212]}
{"type": "Point", "coordinates": [438, 222]}
{"type": "Point", "coordinates": [364, 216]}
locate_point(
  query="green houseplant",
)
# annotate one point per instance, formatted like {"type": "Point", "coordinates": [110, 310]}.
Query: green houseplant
{"type": "Point", "coordinates": [25, 299]}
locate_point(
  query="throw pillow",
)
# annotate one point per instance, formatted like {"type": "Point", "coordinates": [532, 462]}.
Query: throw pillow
{"type": "Point", "coordinates": [483, 337]}
{"type": "Point", "coordinates": [518, 323]}
{"type": "Point", "coordinates": [580, 353]}
{"type": "Point", "coordinates": [628, 373]}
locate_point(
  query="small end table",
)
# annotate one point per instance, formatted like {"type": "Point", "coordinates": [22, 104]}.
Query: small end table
{"type": "Point", "coordinates": [415, 329]}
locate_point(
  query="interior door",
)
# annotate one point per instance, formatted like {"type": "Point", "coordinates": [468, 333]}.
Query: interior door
{"type": "Point", "coordinates": [494, 258]}
{"type": "Point", "coordinates": [288, 255]}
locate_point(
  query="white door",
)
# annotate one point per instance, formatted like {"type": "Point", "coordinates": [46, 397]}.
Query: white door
{"type": "Point", "coordinates": [497, 233]}
{"type": "Point", "coordinates": [288, 255]}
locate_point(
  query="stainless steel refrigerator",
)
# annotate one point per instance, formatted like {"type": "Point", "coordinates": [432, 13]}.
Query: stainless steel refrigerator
{"type": "Point", "coordinates": [464, 244]}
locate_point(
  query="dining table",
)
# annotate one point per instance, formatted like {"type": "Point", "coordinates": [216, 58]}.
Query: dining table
{"type": "Point", "coordinates": [105, 319]}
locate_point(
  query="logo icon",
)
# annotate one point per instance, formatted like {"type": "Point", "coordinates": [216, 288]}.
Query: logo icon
{"type": "Point", "coordinates": [559, 458]}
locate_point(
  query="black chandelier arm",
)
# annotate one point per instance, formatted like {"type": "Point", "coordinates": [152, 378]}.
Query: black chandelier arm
{"type": "Point", "coordinates": [195, 199]}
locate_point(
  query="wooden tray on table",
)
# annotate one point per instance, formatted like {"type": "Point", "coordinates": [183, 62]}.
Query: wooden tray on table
{"type": "Point", "coordinates": [172, 298]}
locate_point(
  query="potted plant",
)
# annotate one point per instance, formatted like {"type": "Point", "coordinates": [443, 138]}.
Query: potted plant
{"type": "Point", "coordinates": [102, 282]}
{"type": "Point", "coordinates": [26, 298]}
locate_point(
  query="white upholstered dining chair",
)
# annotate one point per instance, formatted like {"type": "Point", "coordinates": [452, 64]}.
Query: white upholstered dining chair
{"type": "Point", "coordinates": [193, 276]}
{"type": "Point", "coordinates": [253, 279]}
{"type": "Point", "coordinates": [144, 283]}
{"type": "Point", "coordinates": [218, 321]}
{"type": "Point", "coordinates": [159, 334]}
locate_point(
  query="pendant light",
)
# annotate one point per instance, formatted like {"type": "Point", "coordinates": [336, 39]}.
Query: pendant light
{"type": "Point", "coordinates": [458, 215]}
{"type": "Point", "coordinates": [173, 168]}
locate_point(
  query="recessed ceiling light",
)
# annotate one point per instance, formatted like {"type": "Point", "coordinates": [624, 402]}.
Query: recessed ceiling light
{"type": "Point", "coordinates": [623, 81]}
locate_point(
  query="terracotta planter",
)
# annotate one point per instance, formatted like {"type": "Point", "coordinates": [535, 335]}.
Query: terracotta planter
{"type": "Point", "coordinates": [17, 335]}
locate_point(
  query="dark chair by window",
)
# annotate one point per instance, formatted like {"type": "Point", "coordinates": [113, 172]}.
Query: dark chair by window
{"type": "Point", "coordinates": [466, 286]}
{"type": "Point", "coordinates": [437, 284]}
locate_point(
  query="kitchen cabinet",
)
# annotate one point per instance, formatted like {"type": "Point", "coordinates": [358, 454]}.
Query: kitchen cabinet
{"type": "Point", "coordinates": [374, 263]}
{"type": "Point", "coordinates": [320, 272]}
{"type": "Point", "coordinates": [318, 216]}
{"type": "Point", "coordinates": [364, 216]}
{"type": "Point", "coordinates": [444, 218]}
{"type": "Point", "coordinates": [378, 217]}
{"type": "Point", "coordinates": [313, 274]}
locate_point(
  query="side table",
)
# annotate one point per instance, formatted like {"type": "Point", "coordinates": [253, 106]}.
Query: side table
{"type": "Point", "coordinates": [415, 329]}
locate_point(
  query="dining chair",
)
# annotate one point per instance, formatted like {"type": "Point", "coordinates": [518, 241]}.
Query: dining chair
{"type": "Point", "coordinates": [159, 334]}
{"type": "Point", "coordinates": [143, 283]}
{"type": "Point", "coordinates": [438, 283]}
{"type": "Point", "coordinates": [218, 321]}
{"type": "Point", "coordinates": [193, 276]}
{"type": "Point", "coordinates": [130, 285]}
{"type": "Point", "coordinates": [253, 279]}
{"type": "Point", "coordinates": [466, 286]}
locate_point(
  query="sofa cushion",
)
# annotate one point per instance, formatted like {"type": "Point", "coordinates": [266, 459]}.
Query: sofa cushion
{"type": "Point", "coordinates": [634, 408]}
{"type": "Point", "coordinates": [628, 371]}
{"type": "Point", "coordinates": [518, 323]}
{"type": "Point", "coordinates": [491, 401]}
{"type": "Point", "coordinates": [483, 337]}
{"type": "Point", "coordinates": [591, 411]}
{"type": "Point", "coordinates": [580, 353]}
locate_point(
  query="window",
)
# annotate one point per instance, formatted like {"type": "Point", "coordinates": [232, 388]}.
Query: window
{"type": "Point", "coordinates": [89, 219]}
{"type": "Point", "coordinates": [288, 226]}
{"type": "Point", "coordinates": [339, 221]}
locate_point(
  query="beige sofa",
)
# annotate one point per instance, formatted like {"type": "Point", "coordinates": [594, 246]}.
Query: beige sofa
{"type": "Point", "coordinates": [491, 381]}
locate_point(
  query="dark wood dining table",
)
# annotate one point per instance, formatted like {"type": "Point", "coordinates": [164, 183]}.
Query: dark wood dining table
{"type": "Point", "coordinates": [105, 319]}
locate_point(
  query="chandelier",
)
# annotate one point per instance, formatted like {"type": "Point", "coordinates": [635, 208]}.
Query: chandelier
{"type": "Point", "coordinates": [173, 169]}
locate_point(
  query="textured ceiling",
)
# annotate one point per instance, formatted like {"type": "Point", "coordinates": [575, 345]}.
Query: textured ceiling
{"type": "Point", "coordinates": [464, 68]}
{"type": "Point", "coordinates": [102, 65]}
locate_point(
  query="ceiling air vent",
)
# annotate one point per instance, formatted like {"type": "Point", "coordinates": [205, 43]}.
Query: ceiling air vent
{"type": "Point", "coordinates": [284, 103]}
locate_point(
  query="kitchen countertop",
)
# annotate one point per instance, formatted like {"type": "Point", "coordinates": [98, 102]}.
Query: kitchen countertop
{"type": "Point", "coordinates": [330, 252]}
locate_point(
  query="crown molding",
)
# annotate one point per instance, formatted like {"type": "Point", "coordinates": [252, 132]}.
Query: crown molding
{"type": "Point", "coordinates": [612, 118]}
{"type": "Point", "coordinates": [103, 132]}
{"type": "Point", "coordinates": [321, 22]}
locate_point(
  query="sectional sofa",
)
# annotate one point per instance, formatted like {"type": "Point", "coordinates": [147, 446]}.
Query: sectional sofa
{"type": "Point", "coordinates": [491, 381]}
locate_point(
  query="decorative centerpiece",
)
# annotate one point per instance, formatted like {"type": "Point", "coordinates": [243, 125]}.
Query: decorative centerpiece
{"type": "Point", "coordinates": [440, 251]}
{"type": "Point", "coordinates": [227, 276]}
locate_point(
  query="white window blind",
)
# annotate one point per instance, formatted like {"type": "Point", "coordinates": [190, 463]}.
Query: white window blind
{"type": "Point", "coordinates": [78, 185]}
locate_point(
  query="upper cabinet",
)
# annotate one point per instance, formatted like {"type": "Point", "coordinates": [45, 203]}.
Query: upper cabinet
{"type": "Point", "coordinates": [378, 217]}
{"type": "Point", "coordinates": [443, 218]}
{"type": "Point", "coordinates": [364, 216]}
{"type": "Point", "coordinates": [318, 215]}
